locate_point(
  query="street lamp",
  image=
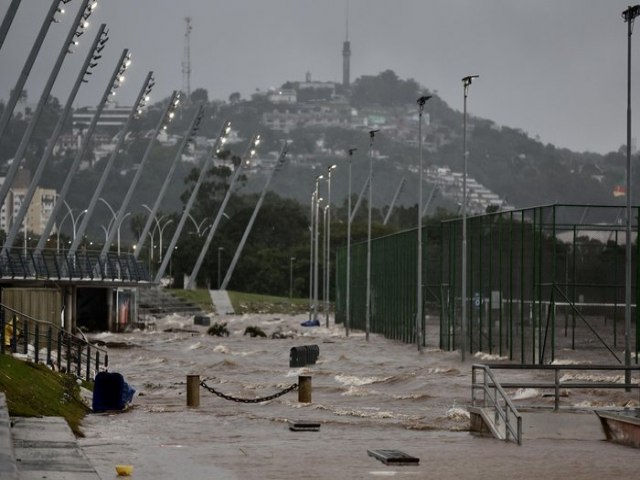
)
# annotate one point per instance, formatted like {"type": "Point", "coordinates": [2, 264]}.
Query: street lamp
{"type": "Point", "coordinates": [291, 260]}
{"type": "Point", "coordinates": [74, 221]}
{"type": "Point", "coordinates": [466, 81]}
{"type": "Point", "coordinates": [220, 249]}
{"type": "Point", "coordinates": [327, 293]}
{"type": "Point", "coordinates": [347, 322]}
{"type": "Point", "coordinates": [372, 135]}
{"type": "Point", "coordinates": [111, 225]}
{"type": "Point", "coordinates": [325, 273]}
{"type": "Point", "coordinates": [419, 314]}
{"type": "Point", "coordinates": [313, 203]}
{"type": "Point", "coordinates": [629, 16]}
{"type": "Point", "coordinates": [198, 226]}
{"type": "Point", "coordinates": [315, 247]}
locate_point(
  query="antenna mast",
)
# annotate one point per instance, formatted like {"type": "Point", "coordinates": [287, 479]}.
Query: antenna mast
{"type": "Point", "coordinates": [186, 60]}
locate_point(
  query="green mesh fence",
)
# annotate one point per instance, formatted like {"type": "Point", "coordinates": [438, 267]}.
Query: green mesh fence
{"type": "Point", "coordinates": [539, 280]}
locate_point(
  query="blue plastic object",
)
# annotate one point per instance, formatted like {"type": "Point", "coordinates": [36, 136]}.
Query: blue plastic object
{"type": "Point", "coordinates": [111, 392]}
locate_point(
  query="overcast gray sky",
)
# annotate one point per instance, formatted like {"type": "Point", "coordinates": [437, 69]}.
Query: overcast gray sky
{"type": "Point", "coordinates": [554, 68]}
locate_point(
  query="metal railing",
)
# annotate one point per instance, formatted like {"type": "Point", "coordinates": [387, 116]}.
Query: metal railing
{"type": "Point", "coordinates": [44, 342]}
{"type": "Point", "coordinates": [558, 384]}
{"type": "Point", "coordinates": [50, 265]}
{"type": "Point", "coordinates": [495, 398]}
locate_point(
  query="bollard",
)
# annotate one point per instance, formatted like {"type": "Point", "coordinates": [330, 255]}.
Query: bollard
{"type": "Point", "coordinates": [193, 391]}
{"type": "Point", "coordinates": [304, 389]}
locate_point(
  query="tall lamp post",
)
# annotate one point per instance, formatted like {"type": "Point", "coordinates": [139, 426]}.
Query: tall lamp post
{"type": "Point", "coordinates": [372, 135]}
{"type": "Point", "coordinates": [347, 322]}
{"type": "Point", "coordinates": [419, 314]}
{"type": "Point", "coordinates": [466, 81]}
{"type": "Point", "coordinates": [316, 237]}
{"type": "Point", "coordinates": [74, 222]}
{"type": "Point", "coordinates": [313, 203]}
{"type": "Point", "coordinates": [327, 296]}
{"type": "Point", "coordinates": [325, 273]}
{"type": "Point", "coordinates": [629, 16]}
{"type": "Point", "coordinates": [291, 260]}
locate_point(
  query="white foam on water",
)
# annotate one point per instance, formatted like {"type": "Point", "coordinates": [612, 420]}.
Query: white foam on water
{"type": "Point", "coordinates": [488, 356]}
{"type": "Point", "coordinates": [221, 349]}
{"type": "Point", "coordinates": [357, 381]}
{"type": "Point", "coordinates": [458, 414]}
{"type": "Point", "coordinates": [524, 393]}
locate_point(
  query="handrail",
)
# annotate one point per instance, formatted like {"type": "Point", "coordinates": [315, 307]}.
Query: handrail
{"type": "Point", "coordinates": [557, 385]}
{"type": "Point", "coordinates": [90, 266]}
{"type": "Point", "coordinates": [77, 350]}
{"type": "Point", "coordinates": [496, 398]}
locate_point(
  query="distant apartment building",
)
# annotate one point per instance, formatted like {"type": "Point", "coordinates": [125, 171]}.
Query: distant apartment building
{"type": "Point", "coordinates": [39, 210]}
{"type": "Point", "coordinates": [109, 124]}
{"type": "Point", "coordinates": [286, 120]}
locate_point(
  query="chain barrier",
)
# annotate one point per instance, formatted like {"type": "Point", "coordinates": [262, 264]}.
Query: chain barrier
{"type": "Point", "coordinates": [249, 400]}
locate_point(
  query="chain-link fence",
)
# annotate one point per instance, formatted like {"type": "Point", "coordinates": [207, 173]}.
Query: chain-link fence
{"type": "Point", "coordinates": [538, 280]}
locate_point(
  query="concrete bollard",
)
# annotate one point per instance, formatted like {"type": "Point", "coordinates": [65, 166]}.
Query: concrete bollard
{"type": "Point", "coordinates": [193, 391]}
{"type": "Point", "coordinates": [304, 389]}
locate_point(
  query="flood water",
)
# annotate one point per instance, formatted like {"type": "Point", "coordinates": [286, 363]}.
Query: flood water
{"type": "Point", "coordinates": [376, 394]}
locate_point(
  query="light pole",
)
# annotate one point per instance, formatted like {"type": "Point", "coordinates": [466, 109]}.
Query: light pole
{"type": "Point", "coordinates": [315, 249]}
{"type": "Point", "coordinates": [198, 226]}
{"type": "Point", "coordinates": [159, 227]}
{"type": "Point", "coordinates": [90, 62]}
{"type": "Point", "coordinates": [116, 80]}
{"type": "Point", "coordinates": [347, 322]}
{"type": "Point", "coordinates": [78, 28]}
{"type": "Point", "coordinates": [466, 81]}
{"type": "Point", "coordinates": [111, 224]}
{"type": "Point", "coordinates": [142, 100]}
{"type": "Point", "coordinates": [372, 135]}
{"type": "Point", "coordinates": [327, 295]}
{"type": "Point", "coordinates": [220, 249]}
{"type": "Point", "coordinates": [74, 222]}
{"type": "Point", "coordinates": [629, 16]}
{"type": "Point", "coordinates": [419, 313]}
{"type": "Point", "coordinates": [291, 260]}
{"type": "Point", "coordinates": [252, 219]}
{"type": "Point", "coordinates": [250, 153]}
{"type": "Point", "coordinates": [204, 168]}
{"type": "Point", "coordinates": [313, 203]}
{"type": "Point", "coordinates": [325, 273]}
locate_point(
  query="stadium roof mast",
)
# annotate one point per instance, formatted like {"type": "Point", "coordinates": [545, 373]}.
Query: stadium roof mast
{"type": "Point", "coordinates": [186, 60]}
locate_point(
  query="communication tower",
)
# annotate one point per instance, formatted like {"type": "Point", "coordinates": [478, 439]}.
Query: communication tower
{"type": "Point", "coordinates": [186, 60]}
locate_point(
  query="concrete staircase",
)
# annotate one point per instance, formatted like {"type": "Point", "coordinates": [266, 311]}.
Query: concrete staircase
{"type": "Point", "coordinates": [158, 301]}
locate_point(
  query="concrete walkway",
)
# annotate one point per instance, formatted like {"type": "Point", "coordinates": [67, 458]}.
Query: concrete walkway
{"type": "Point", "coordinates": [8, 468]}
{"type": "Point", "coordinates": [37, 448]}
{"type": "Point", "coordinates": [221, 301]}
{"type": "Point", "coordinates": [45, 447]}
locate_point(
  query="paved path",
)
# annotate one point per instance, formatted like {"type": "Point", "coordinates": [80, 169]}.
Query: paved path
{"type": "Point", "coordinates": [8, 468]}
{"type": "Point", "coordinates": [221, 301]}
{"type": "Point", "coordinates": [46, 448]}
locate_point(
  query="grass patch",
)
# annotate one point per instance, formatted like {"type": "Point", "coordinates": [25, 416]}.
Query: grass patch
{"type": "Point", "coordinates": [200, 297]}
{"type": "Point", "coordinates": [35, 390]}
{"type": "Point", "coordinates": [255, 303]}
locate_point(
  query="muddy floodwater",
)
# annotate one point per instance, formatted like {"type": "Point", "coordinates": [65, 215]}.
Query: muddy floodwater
{"type": "Point", "coordinates": [376, 394]}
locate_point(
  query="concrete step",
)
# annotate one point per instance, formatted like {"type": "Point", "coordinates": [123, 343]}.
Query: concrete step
{"type": "Point", "coordinates": [8, 466]}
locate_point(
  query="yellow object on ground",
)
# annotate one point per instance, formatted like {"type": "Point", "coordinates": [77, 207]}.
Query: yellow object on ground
{"type": "Point", "coordinates": [124, 470]}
